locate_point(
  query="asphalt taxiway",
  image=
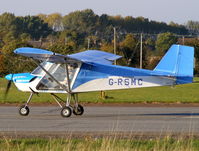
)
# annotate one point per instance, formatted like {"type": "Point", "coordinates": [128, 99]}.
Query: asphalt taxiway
{"type": "Point", "coordinates": [102, 119]}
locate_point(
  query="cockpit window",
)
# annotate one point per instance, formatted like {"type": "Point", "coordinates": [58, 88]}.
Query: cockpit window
{"type": "Point", "coordinates": [39, 71]}
{"type": "Point", "coordinates": [58, 71]}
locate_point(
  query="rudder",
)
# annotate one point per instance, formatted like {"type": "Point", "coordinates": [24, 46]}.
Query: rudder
{"type": "Point", "coordinates": [179, 61]}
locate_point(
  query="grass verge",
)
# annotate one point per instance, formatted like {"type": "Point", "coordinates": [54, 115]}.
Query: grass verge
{"type": "Point", "coordinates": [99, 144]}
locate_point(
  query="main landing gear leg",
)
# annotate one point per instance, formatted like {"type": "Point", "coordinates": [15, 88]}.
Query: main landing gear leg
{"type": "Point", "coordinates": [78, 109]}
{"type": "Point", "coordinates": [24, 109]}
{"type": "Point", "coordinates": [68, 109]}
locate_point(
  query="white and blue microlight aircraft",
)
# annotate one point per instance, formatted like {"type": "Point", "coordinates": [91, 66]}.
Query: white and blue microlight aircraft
{"type": "Point", "coordinates": [92, 70]}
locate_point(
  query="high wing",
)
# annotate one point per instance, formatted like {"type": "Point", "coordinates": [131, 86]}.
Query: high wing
{"type": "Point", "coordinates": [43, 55]}
{"type": "Point", "coordinates": [95, 56]}
{"type": "Point", "coordinates": [89, 56]}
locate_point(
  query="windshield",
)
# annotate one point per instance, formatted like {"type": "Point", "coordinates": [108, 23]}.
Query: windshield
{"type": "Point", "coordinates": [39, 71]}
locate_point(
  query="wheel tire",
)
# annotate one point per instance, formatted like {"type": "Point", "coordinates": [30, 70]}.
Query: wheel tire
{"type": "Point", "coordinates": [79, 110]}
{"type": "Point", "coordinates": [66, 111]}
{"type": "Point", "coordinates": [24, 110]}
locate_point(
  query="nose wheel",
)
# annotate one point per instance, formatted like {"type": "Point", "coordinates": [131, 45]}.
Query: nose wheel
{"type": "Point", "coordinates": [24, 110]}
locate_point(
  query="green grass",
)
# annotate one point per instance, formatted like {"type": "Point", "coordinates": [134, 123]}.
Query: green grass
{"type": "Point", "coordinates": [188, 93]}
{"type": "Point", "coordinates": [99, 144]}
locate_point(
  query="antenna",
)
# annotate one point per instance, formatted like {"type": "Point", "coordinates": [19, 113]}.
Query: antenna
{"type": "Point", "coordinates": [141, 51]}
{"type": "Point", "coordinates": [114, 44]}
{"type": "Point", "coordinates": [88, 43]}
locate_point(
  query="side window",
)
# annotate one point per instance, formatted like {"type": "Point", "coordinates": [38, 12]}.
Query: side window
{"type": "Point", "coordinates": [58, 71]}
{"type": "Point", "coordinates": [72, 68]}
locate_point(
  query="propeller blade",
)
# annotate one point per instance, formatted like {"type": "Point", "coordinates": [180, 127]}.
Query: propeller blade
{"type": "Point", "coordinates": [8, 86]}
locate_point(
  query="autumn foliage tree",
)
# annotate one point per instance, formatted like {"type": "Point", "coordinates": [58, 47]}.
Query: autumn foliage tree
{"type": "Point", "coordinates": [78, 30]}
{"type": "Point", "coordinates": [164, 41]}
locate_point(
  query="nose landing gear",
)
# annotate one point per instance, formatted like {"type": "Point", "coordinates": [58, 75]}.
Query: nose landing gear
{"type": "Point", "coordinates": [24, 109]}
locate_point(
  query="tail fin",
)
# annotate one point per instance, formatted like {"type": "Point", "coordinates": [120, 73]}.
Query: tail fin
{"type": "Point", "coordinates": [179, 61]}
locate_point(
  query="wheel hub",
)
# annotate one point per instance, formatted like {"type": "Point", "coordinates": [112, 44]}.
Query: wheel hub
{"type": "Point", "coordinates": [65, 112]}
{"type": "Point", "coordinates": [23, 110]}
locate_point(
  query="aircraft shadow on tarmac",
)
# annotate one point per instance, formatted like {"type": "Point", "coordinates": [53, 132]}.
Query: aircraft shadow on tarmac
{"type": "Point", "coordinates": [128, 115]}
{"type": "Point", "coordinates": [136, 115]}
{"type": "Point", "coordinates": [169, 114]}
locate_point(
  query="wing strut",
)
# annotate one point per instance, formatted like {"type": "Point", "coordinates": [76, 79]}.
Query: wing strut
{"type": "Point", "coordinates": [62, 86]}
{"type": "Point", "coordinates": [67, 74]}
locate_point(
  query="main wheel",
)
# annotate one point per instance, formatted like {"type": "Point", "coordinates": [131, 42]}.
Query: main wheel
{"type": "Point", "coordinates": [66, 111]}
{"type": "Point", "coordinates": [79, 110]}
{"type": "Point", "coordinates": [24, 110]}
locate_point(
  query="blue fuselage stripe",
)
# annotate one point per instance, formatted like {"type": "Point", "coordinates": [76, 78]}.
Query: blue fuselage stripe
{"type": "Point", "coordinates": [98, 71]}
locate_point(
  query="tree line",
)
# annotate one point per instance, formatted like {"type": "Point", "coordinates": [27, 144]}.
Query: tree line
{"type": "Point", "coordinates": [79, 30]}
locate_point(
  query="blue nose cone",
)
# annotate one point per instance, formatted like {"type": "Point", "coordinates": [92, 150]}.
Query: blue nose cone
{"type": "Point", "coordinates": [9, 77]}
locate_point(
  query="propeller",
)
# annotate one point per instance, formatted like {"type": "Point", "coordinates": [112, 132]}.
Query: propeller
{"type": "Point", "coordinates": [9, 77]}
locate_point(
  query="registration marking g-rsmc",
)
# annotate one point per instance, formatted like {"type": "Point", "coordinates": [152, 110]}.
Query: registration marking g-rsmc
{"type": "Point", "coordinates": [125, 81]}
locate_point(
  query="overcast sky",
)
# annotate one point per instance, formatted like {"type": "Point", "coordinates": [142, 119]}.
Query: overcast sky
{"type": "Point", "coordinates": [179, 11]}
